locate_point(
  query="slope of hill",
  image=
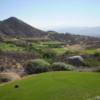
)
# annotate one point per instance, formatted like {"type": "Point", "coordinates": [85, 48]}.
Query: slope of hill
{"type": "Point", "coordinates": [54, 86]}
{"type": "Point", "coordinates": [15, 27]}
{"type": "Point", "coordinates": [70, 39]}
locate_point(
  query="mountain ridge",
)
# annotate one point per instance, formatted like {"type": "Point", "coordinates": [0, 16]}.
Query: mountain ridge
{"type": "Point", "coordinates": [89, 31]}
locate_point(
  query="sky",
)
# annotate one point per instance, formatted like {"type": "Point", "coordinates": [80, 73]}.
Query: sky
{"type": "Point", "coordinates": [46, 14]}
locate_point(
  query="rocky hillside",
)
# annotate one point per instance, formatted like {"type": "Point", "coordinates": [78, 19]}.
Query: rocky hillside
{"type": "Point", "coordinates": [15, 27]}
{"type": "Point", "coordinates": [70, 39]}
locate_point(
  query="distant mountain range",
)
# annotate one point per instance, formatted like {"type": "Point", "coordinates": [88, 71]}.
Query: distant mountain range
{"type": "Point", "coordinates": [90, 31]}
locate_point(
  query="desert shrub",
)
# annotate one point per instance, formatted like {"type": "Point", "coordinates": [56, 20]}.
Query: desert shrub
{"type": "Point", "coordinates": [97, 69]}
{"type": "Point", "coordinates": [92, 62]}
{"type": "Point", "coordinates": [49, 54]}
{"type": "Point", "coordinates": [1, 50]}
{"type": "Point", "coordinates": [36, 66]}
{"type": "Point", "coordinates": [60, 66]}
{"type": "Point", "coordinates": [97, 54]}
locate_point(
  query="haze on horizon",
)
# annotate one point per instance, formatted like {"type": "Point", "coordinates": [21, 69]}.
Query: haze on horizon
{"type": "Point", "coordinates": [50, 14]}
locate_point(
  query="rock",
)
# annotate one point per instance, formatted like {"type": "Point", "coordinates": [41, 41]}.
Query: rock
{"type": "Point", "coordinates": [8, 76]}
{"type": "Point", "coordinates": [76, 60]}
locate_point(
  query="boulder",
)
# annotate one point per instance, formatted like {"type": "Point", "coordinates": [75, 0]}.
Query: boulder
{"type": "Point", "coordinates": [76, 60]}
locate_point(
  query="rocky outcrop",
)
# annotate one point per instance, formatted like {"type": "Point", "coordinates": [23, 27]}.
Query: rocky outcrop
{"type": "Point", "coordinates": [76, 60]}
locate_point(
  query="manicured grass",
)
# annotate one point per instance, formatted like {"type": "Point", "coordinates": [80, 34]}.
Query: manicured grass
{"type": "Point", "coordinates": [51, 42]}
{"type": "Point", "coordinates": [54, 86]}
{"type": "Point", "coordinates": [89, 51]}
{"type": "Point", "coordinates": [60, 51]}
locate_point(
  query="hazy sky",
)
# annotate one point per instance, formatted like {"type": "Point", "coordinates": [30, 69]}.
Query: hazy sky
{"type": "Point", "coordinates": [53, 13]}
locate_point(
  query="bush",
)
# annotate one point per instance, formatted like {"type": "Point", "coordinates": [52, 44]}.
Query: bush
{"type": "Point", "coordinates": [60, 66]}
{"type": "Point", "coordinates": [36, 66]}
{"type": "Point", "coordinates": [97, 69]}
{"type": "Point", "coordinates": [97, 54]}
{"type": "Point", "coordinates": [49, 54]}
{"type": "Point", "coordinates": [90, 62]}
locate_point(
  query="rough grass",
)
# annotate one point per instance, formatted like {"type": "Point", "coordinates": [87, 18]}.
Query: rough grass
{"type": "Point", "coordinates": [89, 51]}
{"type": "Point", "coordinates": [11, 47]}
{"type": "Point", "coordinates": [54, 86]}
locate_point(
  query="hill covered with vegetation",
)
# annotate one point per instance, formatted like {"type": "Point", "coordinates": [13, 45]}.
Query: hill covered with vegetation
{"type": "Point", "coordinates": [70, 64]}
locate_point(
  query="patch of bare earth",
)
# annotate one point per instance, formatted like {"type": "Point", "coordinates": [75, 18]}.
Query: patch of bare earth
{"type": "Point", "coordinates": [8, 76]}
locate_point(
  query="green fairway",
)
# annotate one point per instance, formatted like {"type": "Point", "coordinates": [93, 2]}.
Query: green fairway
{"type": "Point", "coordinates": [54, 86]}
{"type": "Point", "coordinates": [60, 51]}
